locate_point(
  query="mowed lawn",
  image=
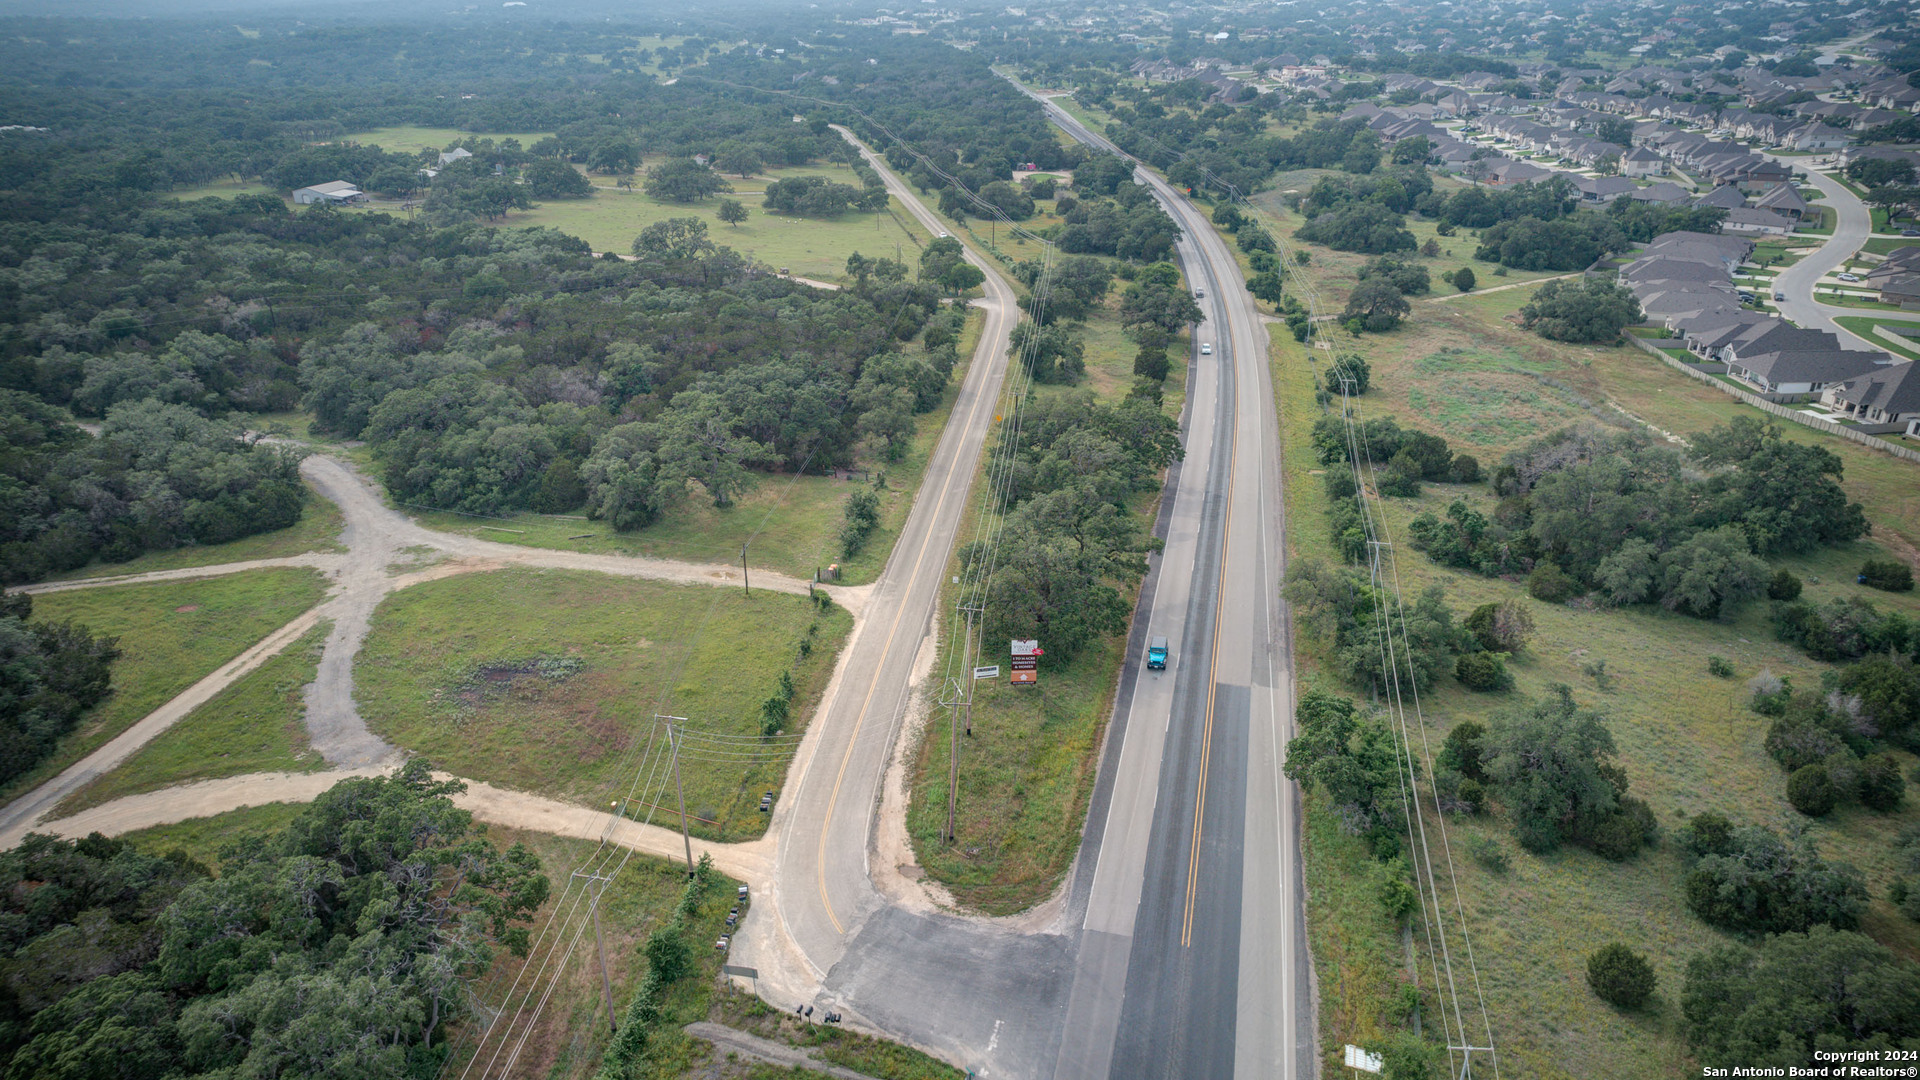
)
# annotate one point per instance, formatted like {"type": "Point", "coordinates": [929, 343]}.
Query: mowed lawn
{"type": "Point", "coordinates": [172, 635]}
{"type": "Point", "coordinates": [255, 725]}
{"type": "Point", "coordinates": [788, 523]}
{"type": "Point", "coordinates": [549, 680]}
{"type": "Point", "coordinates": [1687, 741]}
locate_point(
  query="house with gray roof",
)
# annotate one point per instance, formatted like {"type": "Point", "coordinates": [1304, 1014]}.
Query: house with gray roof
{"type": "Point", "coordinates": [1889, 395]}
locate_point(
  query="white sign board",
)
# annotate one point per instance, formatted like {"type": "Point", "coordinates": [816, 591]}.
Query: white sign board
{"type": "Point", "coordinates": [990, 672]}
{"type": "Point", "coordinates": [1026, 647]}
{"type": "Point", "coordinates": [1360, 1059]}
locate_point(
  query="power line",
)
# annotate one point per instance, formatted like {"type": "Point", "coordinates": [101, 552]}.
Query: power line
{"type": "Point", "coordinates": [1380, 548]}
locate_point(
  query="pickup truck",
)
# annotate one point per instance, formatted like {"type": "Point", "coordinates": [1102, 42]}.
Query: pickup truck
{"type": "Point", "coordinates": [1157, 654]}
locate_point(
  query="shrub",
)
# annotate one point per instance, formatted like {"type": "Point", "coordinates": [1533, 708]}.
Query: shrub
{"type": "Point", "coordinates": [1549, 583]}
{"type": "Point", "coordinates": [1624, 832]}
{"type": "Point", "coordinates": [1810, 790]}
{"type": "Point", "coordinates": [1761, 885]}
{"type": "Point", "coordinates": [1770, 693]}
{"type": "Point", "coordinates": [861, 515]}
{"type": "Point", "coordinates": [1489, 853]}
{"type": "Point", "coordinates": [1886, 575]}
{"type": "Point", "coordinates": [1462, 750]}
{"type": "Point", "coordinates": [1784, 587]}
{"type": "Point", "coordinates": [1397, 898]}
{"type": "Point", "coordinates": [1464, 470]}
{"type": "Point", "coordinates": [1708, 834]}
{"type": "Point", "coordinates": [1503, 627]}
{"type": "Point", "coordinates": [1720, 667]}
{"type": "Point", "coordinates": [1880, 785]}
{"type": "Point", "coordinates": [1482, 671]}
{"type": "Point", "coordinates": [1620, 977]}
{"type": "Point", "coordinates": [1463, 278]}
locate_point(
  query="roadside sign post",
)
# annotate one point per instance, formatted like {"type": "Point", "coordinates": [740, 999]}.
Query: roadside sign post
{"type": "Point", "coordinates": [1025, 664]}
{"type": "Point", "coordinates": [1361, 1061]}
{"type": "Point", "coordinates": [991, 671]}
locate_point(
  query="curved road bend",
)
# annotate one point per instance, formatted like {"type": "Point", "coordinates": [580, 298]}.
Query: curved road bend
{"type": "Point", "coordinates": [1194, 959]}
{"type": "Point", "coordinates": [1853, 224]}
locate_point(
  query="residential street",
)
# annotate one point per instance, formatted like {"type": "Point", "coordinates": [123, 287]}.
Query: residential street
{"type": "Point", "coordinates": [1852, 226]}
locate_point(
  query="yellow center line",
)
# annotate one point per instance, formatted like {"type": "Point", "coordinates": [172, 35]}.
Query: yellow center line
{"type": "Point", "coordinates": [879, 668]}
{"type": "Point", "coordinates": [1213, 666]}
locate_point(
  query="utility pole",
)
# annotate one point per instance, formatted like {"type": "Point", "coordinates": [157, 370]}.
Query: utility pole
{"type": "Point", "coordinates": [953, 725]}
{"type": "Point", "coordinates": [600, 944]}
{"type": "Point", "coordinates": [745, 582]}
{"type": "Point", "coordinates": [679, 791]}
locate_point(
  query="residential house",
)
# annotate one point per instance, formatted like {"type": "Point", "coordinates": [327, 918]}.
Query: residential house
{"type": "Point", "coordinates": [1665, 191]}
{"type": "Point", "coordinates": [1641, 161]}
{"type": "Point", "coordinates": [1723, 198]}
{"type": "Point", "coordinates": [1603, 189]}
{"type": "Point", "coordinates": [1786, 200]}
{"type": "Point", "coordinates": [337, 192]}
{"type": "Point", "coordinates": [1816, 136]}
{"type": "Point", "coordinates": [448, 157]}
{"type": "Point", "coordinates": [1755, 222]}
{"type": "Point", "coordinates": [1889, 394]}
{"type": "Point", "coordinates": [1777, 358]}
{"type": "Point", "coordinates": [1902, 289]}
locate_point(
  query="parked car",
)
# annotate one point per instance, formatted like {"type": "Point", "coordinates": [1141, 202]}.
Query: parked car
{"type": "Point", "coordinates": [1779, 296]}
{"type": "Point", "coordinates": [1910, 232]}
{"type": "Point", "coordinates": [1848, 277]}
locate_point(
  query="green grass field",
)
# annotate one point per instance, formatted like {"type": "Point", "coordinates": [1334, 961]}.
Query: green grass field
{"type": "Point", "coordinates": [810, 247]}
{"type": "Point", "coordinates": [793, 522]}
{"type": "Point", "coordinates": [224, 189]}
{"type": "Point", "coordinates": [317, 530]}
{"type": "Point", "coordinates": [410, 139]}
{"type": "Point", "coordinates": [1686, 739]}
{"type": "Point", "coordinates": [172, 635]}
{"type": "Point", "coordinates": [451, 671]}
{"type": "Point", "coordinates": [255, 725]}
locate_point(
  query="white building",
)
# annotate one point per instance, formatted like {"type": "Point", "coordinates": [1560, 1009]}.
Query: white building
{"type": "Point", "coordinates": [334, 191]}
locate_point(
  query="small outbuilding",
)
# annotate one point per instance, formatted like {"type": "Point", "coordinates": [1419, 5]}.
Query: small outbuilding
{"type": "Point", "coordinates": [334, 191]}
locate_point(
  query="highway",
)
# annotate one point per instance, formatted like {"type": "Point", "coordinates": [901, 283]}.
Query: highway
{"type": "Point", "coordinates": [1178, 946]}
{"type": "Point", "coordinates": [1207, 917]}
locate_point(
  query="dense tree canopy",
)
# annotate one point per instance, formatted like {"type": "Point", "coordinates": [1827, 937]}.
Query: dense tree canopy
{"type": "Point", "coordinates": [340, 946]}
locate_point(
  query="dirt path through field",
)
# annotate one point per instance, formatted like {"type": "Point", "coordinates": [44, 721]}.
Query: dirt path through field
{"type": "Point", "coordinates": [386, 551]}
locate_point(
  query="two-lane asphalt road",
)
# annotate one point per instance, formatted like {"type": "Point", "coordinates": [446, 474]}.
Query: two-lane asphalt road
{"type": "Point", "coordinates": [1853, 224]}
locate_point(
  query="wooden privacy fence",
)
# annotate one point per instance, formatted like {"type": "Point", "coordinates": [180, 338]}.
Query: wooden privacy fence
{"type": "Point", "coordinates": [1781, 411]}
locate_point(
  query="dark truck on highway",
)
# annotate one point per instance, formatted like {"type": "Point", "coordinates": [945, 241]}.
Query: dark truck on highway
{"type": "Point", "coordinates": [1157, 654]}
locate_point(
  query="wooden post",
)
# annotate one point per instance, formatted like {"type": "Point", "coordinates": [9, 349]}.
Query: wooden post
{"type": "Point", "coordinates": [600, 942]}
{"type": "Point", "coordinates": [745, 582]}
{"type": "Point", "coordinates": [681, 793]}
